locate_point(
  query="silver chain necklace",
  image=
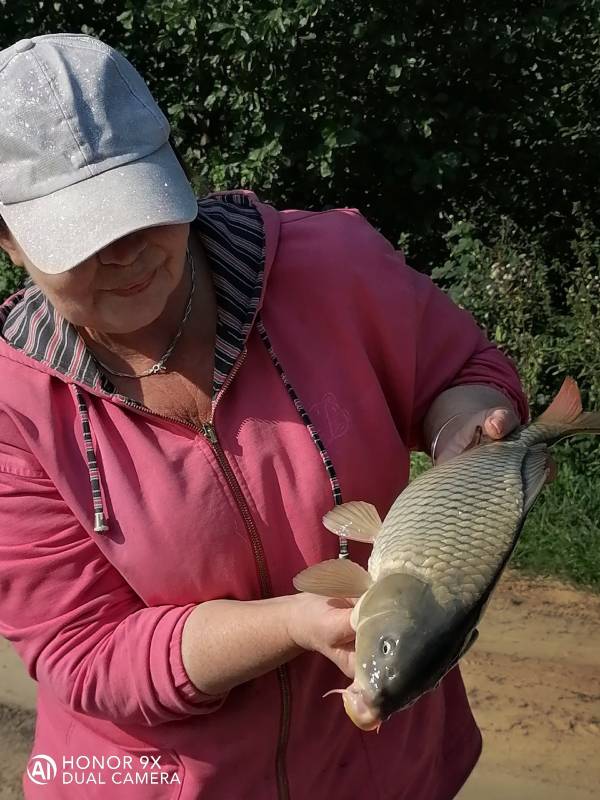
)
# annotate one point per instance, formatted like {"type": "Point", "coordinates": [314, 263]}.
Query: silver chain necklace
{"type": "Point", "coordinates": [159, 367]}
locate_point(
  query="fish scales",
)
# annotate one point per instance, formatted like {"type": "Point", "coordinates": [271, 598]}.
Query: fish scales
{"type": "Point", "coordinates": [453, 526]}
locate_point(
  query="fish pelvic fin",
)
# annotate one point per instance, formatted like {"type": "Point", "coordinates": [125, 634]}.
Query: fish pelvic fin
{"type": "Point", "coordinates": [564, 417]}
{"type": "Point", "coordinates": [338, 577]}
{"type": "Point", "coordinates": [354, 520]}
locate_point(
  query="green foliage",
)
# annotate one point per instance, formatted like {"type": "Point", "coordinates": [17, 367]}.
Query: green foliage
{"type": "Point", "coordinates": [507, 287]}
{"type": "Point", "coordinates": [10, 278]}
{"type": "Point", "coordinates": [545, 316]}
{"type": "Point", "coordinates": [561, 534]}
{"type": "Point", "coordinates": [405, 111]}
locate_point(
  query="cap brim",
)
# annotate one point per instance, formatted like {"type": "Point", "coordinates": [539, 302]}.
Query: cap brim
{"type": "Point", "coordinates": [60, 230]}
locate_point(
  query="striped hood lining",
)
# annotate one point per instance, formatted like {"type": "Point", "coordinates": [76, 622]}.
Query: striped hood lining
{"type": "Point", "coordinates": [232, 233]}
{"type": "Point", "coordinates": [33, 326]}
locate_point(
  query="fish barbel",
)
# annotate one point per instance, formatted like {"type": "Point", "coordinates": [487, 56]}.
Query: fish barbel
{"type": "Point", "coordinates": [436, 559]}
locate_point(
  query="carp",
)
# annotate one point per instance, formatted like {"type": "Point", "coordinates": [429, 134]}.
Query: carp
{"type": "Point", "coordinates": [436, 559]}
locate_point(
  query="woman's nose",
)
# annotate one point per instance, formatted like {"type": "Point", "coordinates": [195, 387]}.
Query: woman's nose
{"type": "Point", "coordinates": [123, 251]}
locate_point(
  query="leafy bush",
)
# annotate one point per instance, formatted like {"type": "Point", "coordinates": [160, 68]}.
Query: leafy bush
{"type": "Point", "coordinates": [403, 110]}
{"type": "Point", "coordinates": [10, 278]}
{"type": "Point", "coordinates": [561, 534]}
{"type": "Point", "coordinates": [546, 316]}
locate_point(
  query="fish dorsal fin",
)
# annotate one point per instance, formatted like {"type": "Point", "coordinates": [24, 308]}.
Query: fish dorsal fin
{"type": "Point", "coordinates": [355, 520]}
{"type": "Point", "coordinates": [535, 471]}
{"type": "Point", "coordinates": [338, 577]}
{"type": "Point", "coordinates": [565, 407]}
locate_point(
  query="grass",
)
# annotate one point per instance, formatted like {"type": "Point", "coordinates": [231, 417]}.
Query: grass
{"type": "Point", "coordinates": [561, 536]}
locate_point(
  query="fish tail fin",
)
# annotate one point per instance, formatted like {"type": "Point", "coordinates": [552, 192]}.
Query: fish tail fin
{"type": "Point", "coordinates": [565, 416]}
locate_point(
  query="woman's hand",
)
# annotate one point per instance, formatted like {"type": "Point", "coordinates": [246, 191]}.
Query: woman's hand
{"type": "Point", "coordinates": [322, 624]}
{"type": "Point", "coordinates": [471, 428]}
{"type": "Point", "coordinates": [228, 642]}
{"type": "Point", "coordinates": [466, 415]}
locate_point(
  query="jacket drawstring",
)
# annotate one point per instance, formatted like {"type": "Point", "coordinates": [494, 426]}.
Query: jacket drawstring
{"type": "Point", "coordinates": [100, 516]}
{"type": "Point", "coordinates": [331, 473]}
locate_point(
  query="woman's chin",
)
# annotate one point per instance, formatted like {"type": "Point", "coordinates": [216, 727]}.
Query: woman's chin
{"type": "Point", "coordinates": [134, 322]}
{"type": "Point", "coordinates": [125, 315]}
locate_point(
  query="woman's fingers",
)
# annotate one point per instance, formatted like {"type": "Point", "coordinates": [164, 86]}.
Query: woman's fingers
{"type": "Point", "coordinates": [499, 422]}
{"type": "Point", "coordinates": [470, 429]}
{"type": "Point", "coordinates": [322, 624]}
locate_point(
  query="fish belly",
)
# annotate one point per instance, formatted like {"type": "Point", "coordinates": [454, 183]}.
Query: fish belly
{"type": "Point", "coordinates": [455, 524]}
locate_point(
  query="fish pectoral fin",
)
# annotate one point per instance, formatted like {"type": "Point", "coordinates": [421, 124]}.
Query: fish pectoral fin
{"type": "Point", "coordinates": [338, 577]}
{"type": "Point", "coordinates": [355, 520]}
{"type": "Point", "coordinates": [536, 472]}
{"type": "Point", "coordinates": [355, 613]}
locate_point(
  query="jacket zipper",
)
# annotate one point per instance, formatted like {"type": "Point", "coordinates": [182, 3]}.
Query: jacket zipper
{"type": "Point", "coordinates": [209, 432]}
{"type": "Point", "coordinates": [266, 591]}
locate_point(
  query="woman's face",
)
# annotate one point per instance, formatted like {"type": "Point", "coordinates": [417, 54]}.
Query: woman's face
{"type": "Point", "coordinates": [121, 288]}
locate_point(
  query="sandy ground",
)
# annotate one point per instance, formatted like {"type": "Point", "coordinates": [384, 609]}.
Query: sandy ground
{"type": "Point", "coordinates": [534, 682]}
{"type": "Point", "coordinates": [533, 678]}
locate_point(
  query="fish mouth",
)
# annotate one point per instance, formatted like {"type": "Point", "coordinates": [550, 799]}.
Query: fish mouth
{"type": "Point", "coordinates": [363, 715]}
{"type": "Point", "coordinates": [358, 707]}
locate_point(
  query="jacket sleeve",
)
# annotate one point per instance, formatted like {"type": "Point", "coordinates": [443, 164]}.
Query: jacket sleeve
{"type": "Point", "coordinates": [77, 625]}
{"type": "Point", "coordinates": [451, 350]}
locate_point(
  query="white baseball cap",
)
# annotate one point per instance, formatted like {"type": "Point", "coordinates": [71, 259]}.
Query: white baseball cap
{"type": "Point", "coordinates": [84, 151]}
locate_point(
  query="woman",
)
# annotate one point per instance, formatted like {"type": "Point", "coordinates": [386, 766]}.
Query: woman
{"type": "Point", "coordinates": [187, 387]}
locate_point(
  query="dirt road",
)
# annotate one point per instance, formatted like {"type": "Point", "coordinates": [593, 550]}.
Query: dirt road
{"type": "Point", "coordinates": [534, 682]}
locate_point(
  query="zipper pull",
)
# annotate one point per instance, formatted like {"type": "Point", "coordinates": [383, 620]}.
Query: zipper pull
{"type": "Point", "coordinates": [209, 432]}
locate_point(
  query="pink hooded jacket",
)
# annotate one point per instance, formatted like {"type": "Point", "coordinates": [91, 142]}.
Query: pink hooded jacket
{"type": "Point", "coordinates": [115, 522]}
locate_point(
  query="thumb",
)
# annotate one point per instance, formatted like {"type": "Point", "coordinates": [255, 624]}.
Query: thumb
{"type": "Point", "coordinates": [339, 624]}
{"type": "Point", "coordinates": [499, 422]}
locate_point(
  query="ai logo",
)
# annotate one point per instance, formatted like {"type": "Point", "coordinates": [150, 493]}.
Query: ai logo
{"type": "Point", "coordinates": [41, 769]}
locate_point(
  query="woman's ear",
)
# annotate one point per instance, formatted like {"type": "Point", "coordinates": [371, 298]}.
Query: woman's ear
{"type": "Point", "coordinates": [10, 246]}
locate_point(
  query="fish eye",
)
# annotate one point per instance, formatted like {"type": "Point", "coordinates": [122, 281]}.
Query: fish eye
{"type": "Point", "coordinates": [386, 646]}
